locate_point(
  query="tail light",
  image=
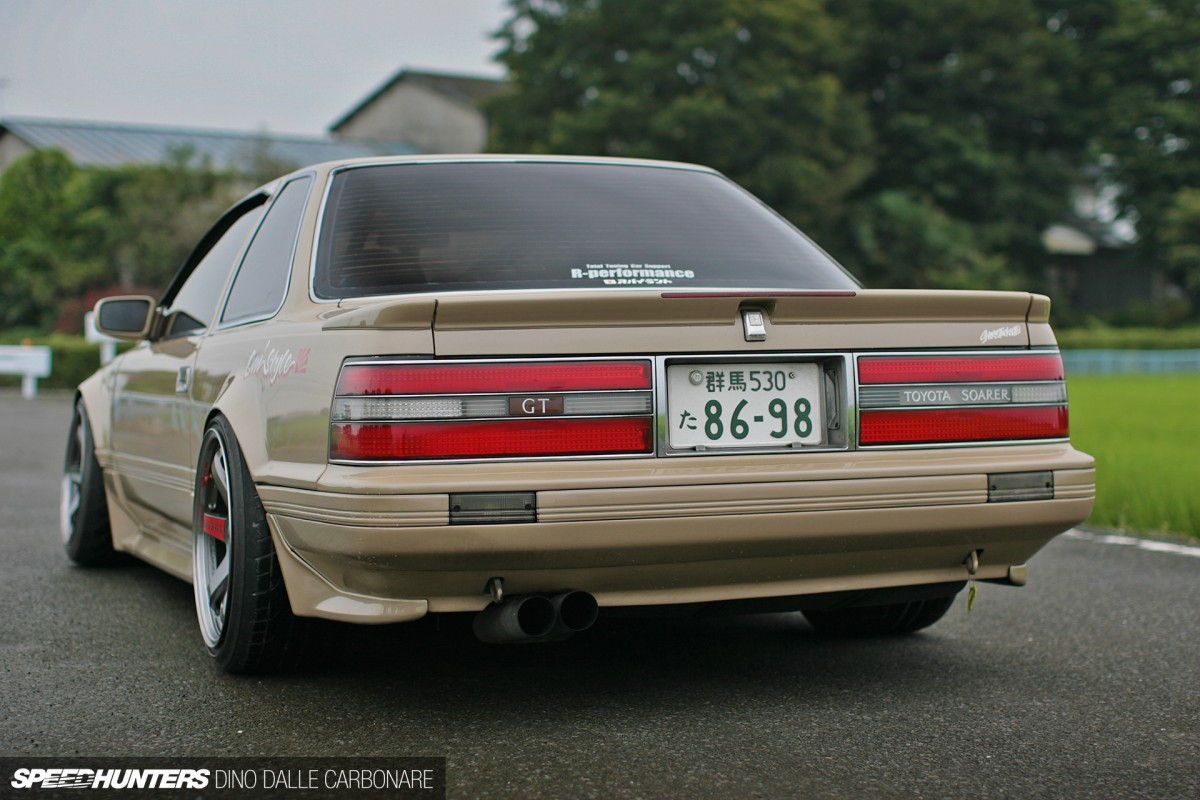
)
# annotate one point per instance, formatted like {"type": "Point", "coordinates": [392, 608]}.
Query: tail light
{"type": "Point", "coordinates": [422, 411]}
{"type": "Point", "coordinates": [944, 399]}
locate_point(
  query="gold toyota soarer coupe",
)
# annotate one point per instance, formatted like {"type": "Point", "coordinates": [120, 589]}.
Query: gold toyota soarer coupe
{"type": "Point", "coordinates": [533, 388]}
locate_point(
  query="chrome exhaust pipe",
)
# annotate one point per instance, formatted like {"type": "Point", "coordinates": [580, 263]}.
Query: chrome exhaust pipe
{"type": "Point", "coordinates": [574, 612]}
{"type": "Point", "coordinates": [521, 619]}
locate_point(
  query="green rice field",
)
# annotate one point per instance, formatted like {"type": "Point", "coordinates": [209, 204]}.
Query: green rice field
{"type": "Point", "coordinates": [1144, 431]}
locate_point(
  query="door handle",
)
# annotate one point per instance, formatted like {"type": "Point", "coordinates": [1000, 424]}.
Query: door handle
{"type": "Point", "coordinates": [183, 380]}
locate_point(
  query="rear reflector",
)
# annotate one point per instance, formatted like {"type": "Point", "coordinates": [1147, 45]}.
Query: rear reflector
{"type": "Point", "coordinates": [962, 425]}
{"type": "Point", "coordinates": [544, 437]}
{"type": "Point", "coordinates": [489, 508]}
{"type": "Point", "coordinates": [393, 379]}
{"type": "Point", "coordinates": [1015, 487]}
{"type": "Point", "coordinates": [958, 369]}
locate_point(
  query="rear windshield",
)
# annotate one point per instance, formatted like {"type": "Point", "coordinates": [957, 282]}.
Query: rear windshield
{"type": "Point", "coordinates": [471, 226]}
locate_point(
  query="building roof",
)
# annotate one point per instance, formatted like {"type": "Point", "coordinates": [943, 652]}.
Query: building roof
{"type": "Point", "coordinates": [467, 89]}
{"type": "Point", "coordinates": [104, 144]}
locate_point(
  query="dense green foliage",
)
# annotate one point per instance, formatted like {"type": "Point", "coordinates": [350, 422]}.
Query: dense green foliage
{"type": "Point", "coordinates": [752, 89]}
{"type": "Point", "coordinates": [927, 143]}
{"type": "Point", "coordinates": [1146, 469]}
{"type": "Point", "coordinates": [65, 230]}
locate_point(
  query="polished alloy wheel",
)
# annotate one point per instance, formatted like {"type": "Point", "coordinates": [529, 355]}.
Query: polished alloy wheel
{"type": "Point", "coordinates": [211, 540]}
{"type": "Point", "coordinates": [72, 482]}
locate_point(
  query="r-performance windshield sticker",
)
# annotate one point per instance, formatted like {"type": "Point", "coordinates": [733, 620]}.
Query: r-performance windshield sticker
{"type": "Point", "coordinates": [632, 274]}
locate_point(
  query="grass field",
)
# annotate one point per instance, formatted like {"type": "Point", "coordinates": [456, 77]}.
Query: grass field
{"type": "Point", "coordinates": [1144, 431]}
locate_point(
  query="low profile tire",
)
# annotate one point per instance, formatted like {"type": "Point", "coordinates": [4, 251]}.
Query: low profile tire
{"type": "Point", "coordinates": [890, 620]}
{"type": "Point", "coordinates": [83, 509]}
{"type": "Point", "coordinates": [242, 606]}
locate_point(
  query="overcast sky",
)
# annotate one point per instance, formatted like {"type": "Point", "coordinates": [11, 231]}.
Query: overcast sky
{"type": "Point", "coordinates": [289, 66]}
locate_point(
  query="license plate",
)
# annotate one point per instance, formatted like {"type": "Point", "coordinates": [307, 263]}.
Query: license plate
{"type": "Point", "coordinates": [744, 405]}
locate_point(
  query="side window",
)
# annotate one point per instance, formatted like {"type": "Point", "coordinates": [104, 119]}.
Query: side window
{"type": "Point", "coordinates": [262, 279]}
{"type": "Point", "coordinates": [195, 303]}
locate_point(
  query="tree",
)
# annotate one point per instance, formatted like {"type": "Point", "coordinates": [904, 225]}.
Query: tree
{"type": "Point", "coordinates": [1179, 236]}
{"type": "Point", "coordinates": [154, 215]}
{"type": "Point", "coordinates": [65, 231]}
{"type": "Point", "coordinates": [903, 239]}
{"type": "Point", "coordinates": [969, 111]}
{"type": "Point", "coordinates": [929, 128]}
{"type": "Point", "coordinates": [1138, 75]}
{"type": "Point", "coordinates": [750, 88]}
{"type": "Point", "coordinates": [40, 256]}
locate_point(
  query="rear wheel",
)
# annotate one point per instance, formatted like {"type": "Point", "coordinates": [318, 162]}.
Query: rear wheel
{"type": "Point", "coordinates": [83, 508]}
{"type": "Point", "coordinates": [889, 620]}
{"type": "Point", "coordinates": [241, 603]}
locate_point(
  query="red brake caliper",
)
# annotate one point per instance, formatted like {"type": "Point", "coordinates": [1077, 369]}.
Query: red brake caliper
{"type": "Point", "coordinates": [214, 526]}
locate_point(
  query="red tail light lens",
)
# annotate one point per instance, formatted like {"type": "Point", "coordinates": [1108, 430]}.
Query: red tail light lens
{"type": "Point", "coordinates": [959, 369]}
{"type": "Point", "coordinates": [428, 410]}
{"type": "Point", "coordinates": [393, 379]}
{"type": "Point", "coordinates": [962, 425]}
{"type": "Point", "coordinates": [432, 440]}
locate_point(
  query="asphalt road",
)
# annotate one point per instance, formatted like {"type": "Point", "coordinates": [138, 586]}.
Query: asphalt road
{"type": "Point", "coordinates": [1086, 683]}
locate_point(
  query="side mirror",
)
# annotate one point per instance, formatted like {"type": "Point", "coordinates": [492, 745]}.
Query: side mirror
{"type": "Point", "coordinates": [126, 317]}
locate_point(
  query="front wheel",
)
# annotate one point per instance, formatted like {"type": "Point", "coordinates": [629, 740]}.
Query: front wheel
{"type": "Point", "coordinates": [889, 620]}
{"type": "Point", "coordinates": [242, 606]}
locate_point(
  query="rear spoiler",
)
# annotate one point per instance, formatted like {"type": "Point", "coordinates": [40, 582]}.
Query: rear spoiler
{"type": "Point", "coordinates": [583, 309]}
{"type": "Point", "coordinates": [523, 322]}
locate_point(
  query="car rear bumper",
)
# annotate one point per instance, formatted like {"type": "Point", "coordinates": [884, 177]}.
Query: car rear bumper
{"type": "Point", "coordinates": [641, 532]}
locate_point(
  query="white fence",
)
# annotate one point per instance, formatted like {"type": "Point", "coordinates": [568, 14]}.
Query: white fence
{"type": "Point", "coordinates": [27, 361]}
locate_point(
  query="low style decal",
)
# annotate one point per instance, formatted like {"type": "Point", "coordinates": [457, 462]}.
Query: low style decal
{"type": "Point", "coordinates": [272, 363]}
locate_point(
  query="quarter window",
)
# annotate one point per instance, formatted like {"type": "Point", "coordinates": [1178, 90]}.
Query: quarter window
{"type": "Point", "coordinates": [195, 304]}
{"type": "Point", "coordinates": [262, 279]}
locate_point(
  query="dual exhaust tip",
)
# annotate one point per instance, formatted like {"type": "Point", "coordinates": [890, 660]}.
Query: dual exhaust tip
{"type": "Point", "coordinates": [537, 618]}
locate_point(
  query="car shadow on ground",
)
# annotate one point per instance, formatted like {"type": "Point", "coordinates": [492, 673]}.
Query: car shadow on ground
{"type": "Point", "coordinates": [437, 662]}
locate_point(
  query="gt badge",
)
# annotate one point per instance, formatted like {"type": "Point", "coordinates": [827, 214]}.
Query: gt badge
{"type": "Point", "coordinates": [534, 406]}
